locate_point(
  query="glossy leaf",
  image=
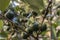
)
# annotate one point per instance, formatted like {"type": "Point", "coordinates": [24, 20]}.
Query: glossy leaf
{"type": "Point", "coordinates": [4, 4]}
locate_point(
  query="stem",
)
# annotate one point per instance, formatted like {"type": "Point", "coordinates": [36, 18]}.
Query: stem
{"type": "Point", "coordinates": [45, 12]}
{"type": "Point", "coordinates": [15, 25]}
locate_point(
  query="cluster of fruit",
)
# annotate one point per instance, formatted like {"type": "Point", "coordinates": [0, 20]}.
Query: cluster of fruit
{"type": "Point", "coordinates": [35, 28]}
{"type": "Point", "coordinates": [14, 18]}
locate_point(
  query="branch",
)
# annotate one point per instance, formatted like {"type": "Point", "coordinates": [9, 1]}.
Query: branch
{"type": "Point", "coordinates": [15, 25]}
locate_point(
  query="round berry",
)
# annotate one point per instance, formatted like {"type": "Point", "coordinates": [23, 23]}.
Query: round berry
{"type": "Point", "coordinates": [34, 13]}
{"type": "Point", "coordinates": [43, 28]}
{"type": "Point", "coordinates": [10, 16]}
{"type": "Point", "coordinates": [35, 27]}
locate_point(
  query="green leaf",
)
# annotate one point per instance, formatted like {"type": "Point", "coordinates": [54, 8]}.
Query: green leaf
{"type": "Point", "coordinates": [44, 38]}
{"type": "Point", "coordinates": [1, 24]}
{"type": "Point", "coordinates": [58, 33]}
{"type": "Point", "coordinates": [15, 38]}
{"type": "Point", "coordinates": [53, 31]}
{"type": "Point", "coordinates": [55, 25]}
{"type": "Point", "coordinates": [58, 21]}
{"type": "Point", "coordinates": [58, 38]}
{"type": "Point", "coordinates": [36, 5]}
{"type": "Point", "coordinates": [58, 12]}
{"type": "Point", "coordinates": [4, 4]}
{"type": "Point", "coordinates": [4, 34]}
{"type": "Point", "coordinates": [43, 33]}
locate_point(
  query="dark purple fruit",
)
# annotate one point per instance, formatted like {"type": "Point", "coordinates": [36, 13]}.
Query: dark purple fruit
{"type": "Point", "coordinates": [34, 13]}
{"type": "Point", "coordinates": [35, 27]}
{"type": "Point", "coordinates": [10, 16]}
{"type": "Point", "coordinates": [43, 28]}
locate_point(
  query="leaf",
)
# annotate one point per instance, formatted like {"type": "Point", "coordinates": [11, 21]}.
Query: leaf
{"type": "Point", "coordinates": [44, 38]}
{"type": "Point", "coordinates": [53, 31]}
{"type": "Point", "coordinates": [31, 19]}
{"type": "Point", "coordinates": [58, 33]}
{"type": "Point", "coordinates": [2, 38]}
{"type": "Point", "coordinates": [4, 4]}
{"type": "Point", "coordinates": [15, 38]}
{"type": "Point", "coordinates": [1, 24]}
{"type": "Point", "coordinates": [58, 38]}
{"type": "Point", "coordinates": [55, 25]}
{"type": "Point", "coordinates": [36, 5]}
{"type": "Point", "coordinates": [43, 33]}
{"type": "Point", "coordinates": [58, 21]}
{"type": "Point", "coordinates": [4, 34]}
{"type": "Point", "coordinates": [58, 12]}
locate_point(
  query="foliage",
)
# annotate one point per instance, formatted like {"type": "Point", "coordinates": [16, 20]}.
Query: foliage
{"type": "Point", "coordinates": [4, 4]}
{"type": "Point", "coordinates": [29, 19]}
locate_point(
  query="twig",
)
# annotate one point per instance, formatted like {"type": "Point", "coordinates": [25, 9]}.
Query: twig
{"type": "Point", "coordinates": [15, 25]}
{"type": "Point", "coordinates": [45, 12]}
